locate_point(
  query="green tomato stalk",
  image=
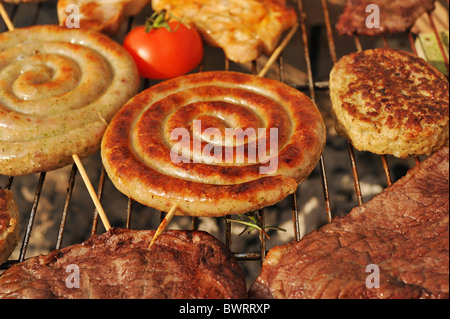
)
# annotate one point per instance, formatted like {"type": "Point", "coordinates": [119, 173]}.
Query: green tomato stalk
{"type": "Point", "coordinates": [161, 19]}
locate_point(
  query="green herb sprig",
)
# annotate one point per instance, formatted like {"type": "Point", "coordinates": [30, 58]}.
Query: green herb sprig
{"type": "Point", "coordinates": [253, 223]}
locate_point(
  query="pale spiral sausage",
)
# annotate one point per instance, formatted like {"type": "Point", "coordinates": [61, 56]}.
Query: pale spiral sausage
{"type": "Point", "coordinates": [210, 173]}
{"type": "Point", "coordinates": [58, 86]}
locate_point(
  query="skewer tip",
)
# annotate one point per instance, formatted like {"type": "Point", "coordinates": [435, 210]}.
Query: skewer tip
{"type": "Point", "coordinates": [163, 224]}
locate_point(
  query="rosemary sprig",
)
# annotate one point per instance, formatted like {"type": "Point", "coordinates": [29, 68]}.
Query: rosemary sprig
{"type": "Point", "coordinates": [253, 223]}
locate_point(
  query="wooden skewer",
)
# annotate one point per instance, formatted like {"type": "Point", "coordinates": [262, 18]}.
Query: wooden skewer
{"type": "Point", "coordinates": [6, 17]}
{"type": "Point", "coordinates": [163, 224]}
{"type": "Point", "coordinates": [91, 191]}
{"type": "Point", "coordinates": [278, 51]}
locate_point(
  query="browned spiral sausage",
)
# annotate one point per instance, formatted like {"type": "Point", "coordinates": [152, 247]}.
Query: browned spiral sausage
{"type": "Point", "coordinates": [188, 141]}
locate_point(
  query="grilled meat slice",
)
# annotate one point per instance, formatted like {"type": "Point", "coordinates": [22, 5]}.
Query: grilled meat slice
{"type": "Point", "coordinates": [119, 265]}
{"type": "Point", "coordinates": [395, 16]}
{"type": "Point", "coordinates": [243, 29]}
{"type": "Point", "coordinates": [403, 231]}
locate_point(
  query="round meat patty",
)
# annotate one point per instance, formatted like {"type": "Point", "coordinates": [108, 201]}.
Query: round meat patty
{"type": "Point", "coordinates": [119, 265]}
{"type": "Point", "coordinates": [9, 224]}
{"type": "Point", "coordinates": [390, 102]}
{"type": "Point", "coordinates": [214, 143]}
{"type": "Point", "coordinates": [58, 89]}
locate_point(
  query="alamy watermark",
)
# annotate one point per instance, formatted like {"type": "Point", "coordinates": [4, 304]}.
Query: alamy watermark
{"type": "Point", "coordinates": [373, 280]}
{"type": "Point", "coordinates": [73, 279]}
{"type": "Point", "coordinates": [373, 19]}
{"type": "Point", "coordinates": [260, 147]}
{"type": "Point", "coordinates": [73, 17]}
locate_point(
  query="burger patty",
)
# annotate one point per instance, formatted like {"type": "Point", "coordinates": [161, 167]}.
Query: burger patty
{"type": "Point", "coordinates": [390, 102]}
{"type": "Point", "coordinates": [119, 265]}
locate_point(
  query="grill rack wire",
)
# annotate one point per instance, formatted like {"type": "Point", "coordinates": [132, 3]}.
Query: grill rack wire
{"type": "Point", "coordinates": [311, 87]}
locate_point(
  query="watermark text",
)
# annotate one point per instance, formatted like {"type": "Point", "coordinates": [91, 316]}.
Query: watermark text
{"type": "Point", "coordinates": [73, 17]}
{"type": "Point", "coordinates": [373, 19]}
{"type": "Point", "coordinates": [229, 149]}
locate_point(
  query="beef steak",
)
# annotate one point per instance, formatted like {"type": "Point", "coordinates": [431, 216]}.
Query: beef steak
{"type": "Point", "coordinates": [394, 16]}
{"type": "Point", "coordinates": [119, 265]}
{"type": "Point", "coordinates": [403, 233]}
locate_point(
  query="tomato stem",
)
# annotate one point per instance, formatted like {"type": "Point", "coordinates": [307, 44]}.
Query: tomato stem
{"type": "Point", "coordinates": [158, 20]}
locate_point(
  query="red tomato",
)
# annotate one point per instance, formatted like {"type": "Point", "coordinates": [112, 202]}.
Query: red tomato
{"type": "Point", "coordinates": [162, 54]}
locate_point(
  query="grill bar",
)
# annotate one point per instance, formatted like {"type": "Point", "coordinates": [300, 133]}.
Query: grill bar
{"type": "Point", "coordinates": [332, 49]}
{"type": "Point", "coordinates": [32, 217]}
{"type": "Point", "coordinates": [305, 42]}
{"type": "Point", "coordinates": [66, 206]}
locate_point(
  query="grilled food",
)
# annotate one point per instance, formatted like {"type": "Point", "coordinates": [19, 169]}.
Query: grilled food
{"type": "Point", "coordinates": [243, 29]}
{"type": "Point", "coordinates": [58, 89]}
{"type": "Point", "coordinates": [390, 102]}
{"type": "Point", "coordinates": [119, 265]}
{"type": "Point", "coordinates": [394, 16]}
{"type": "Point", "coordinates": [169, 144]}
{"type": "Point", "coordinates": [394, 246]}
{"type": "Point", "coordinates": [21, 1]}
{"type": "Point", "coordinates": [9, 224]}
{"type": "Point", "coordinates": [105, 16]}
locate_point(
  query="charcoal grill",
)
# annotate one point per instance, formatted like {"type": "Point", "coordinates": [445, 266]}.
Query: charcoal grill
{"type": "Point", "coordinates": [312, 45]}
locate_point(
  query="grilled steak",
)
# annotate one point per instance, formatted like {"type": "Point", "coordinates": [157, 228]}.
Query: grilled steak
{"type": "Point", "coordinates": [402, 232]}
{"type": "Point", "coordinates": [395, 16]}
{"type": "Point", "coordinates": [118, 264]}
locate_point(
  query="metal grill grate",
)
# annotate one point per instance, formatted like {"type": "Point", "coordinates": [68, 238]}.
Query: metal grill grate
{"type": "Point", "coordinates": [45, 13]}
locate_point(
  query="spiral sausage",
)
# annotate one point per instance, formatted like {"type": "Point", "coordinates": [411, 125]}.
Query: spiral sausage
{"type": "Point", "coordinates": [58, 86]}
{"type": "Point", "coordinates": [148, 162]}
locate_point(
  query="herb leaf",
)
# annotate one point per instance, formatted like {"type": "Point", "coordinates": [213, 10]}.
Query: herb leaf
{"type": "Point", "coordinates": [253, 223]}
